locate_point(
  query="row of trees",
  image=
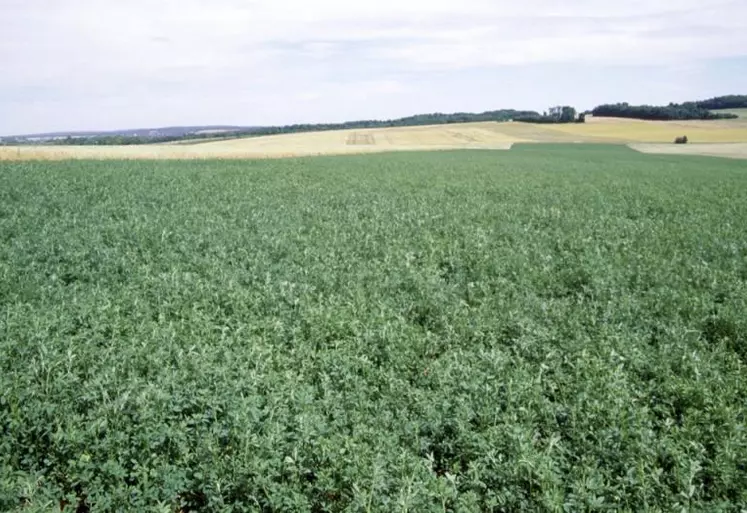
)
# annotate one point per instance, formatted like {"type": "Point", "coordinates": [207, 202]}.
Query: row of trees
{"type": "Point", "coordinates": [732, 101]}
{"type": "Point", "coordinates": [673, 111]}
{"type": "Point", "coordinates": [564, 114]}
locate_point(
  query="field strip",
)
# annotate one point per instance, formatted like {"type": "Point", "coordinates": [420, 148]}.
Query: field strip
{"type": "Point", "coordinates": [51, 153]}
{"type": "Point", "coordinates": [338, 142]}
{"type": "Point", "coordinates": [728, 150]}
{"type": "Point", "coordinates": [531, 132]}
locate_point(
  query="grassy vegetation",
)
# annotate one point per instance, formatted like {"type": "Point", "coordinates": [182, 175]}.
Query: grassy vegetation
{"type": "Point", "coordinates": [555, 328]}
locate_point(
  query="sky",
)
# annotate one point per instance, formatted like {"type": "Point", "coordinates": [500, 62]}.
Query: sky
{"type": "Point", "coordinates": [106, 64]}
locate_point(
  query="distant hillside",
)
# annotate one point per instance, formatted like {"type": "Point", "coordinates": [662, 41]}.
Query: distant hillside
{"type": "Point", "coordinates": [170, 134]}
{"type": "Point", "coordinates": [170, 131]}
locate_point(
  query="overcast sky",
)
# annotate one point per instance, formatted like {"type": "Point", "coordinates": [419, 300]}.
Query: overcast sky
{"type": "Point", "coordinates": [106, 64]}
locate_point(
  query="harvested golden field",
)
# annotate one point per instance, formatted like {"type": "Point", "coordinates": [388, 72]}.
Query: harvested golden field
{"type": "Point", "coordinates": [340, 142]}
{"type": "Point", "coordinates": [489, 135]}
{"type": "Point", "coordinates": [634, 131]}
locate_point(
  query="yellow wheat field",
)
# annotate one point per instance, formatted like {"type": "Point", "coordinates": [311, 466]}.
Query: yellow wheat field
{"type": "Point", "coordinates": [339, 142]}
{"type": "Point", "coordinates": [635, 131]}
{"type": "Point", "coordinates": [494, 136]}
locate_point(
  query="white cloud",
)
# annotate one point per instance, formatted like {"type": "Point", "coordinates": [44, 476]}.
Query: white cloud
{"type": "Point", "coordinates": [189, 60]}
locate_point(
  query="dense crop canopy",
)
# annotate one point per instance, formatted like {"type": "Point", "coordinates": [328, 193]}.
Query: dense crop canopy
{"type": "Point", "coordinates": [547, 329]}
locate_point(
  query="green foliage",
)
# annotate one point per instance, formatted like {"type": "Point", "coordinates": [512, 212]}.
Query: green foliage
{"type": "Point", "coordinates": [564, 114]}
{"type": "Point", "coordinates": [732, 101]}
{"type": "Point", "coordinates": [568, 115]}
{"type": "Point", "coordinates": [548, 329]}
{"type": "Point", "coordinates": [673, 111]}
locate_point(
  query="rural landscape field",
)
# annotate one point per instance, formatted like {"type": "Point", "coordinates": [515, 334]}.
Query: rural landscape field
{"type": "Point", "coordinates": [726, 138]}
{"type": "Point", "coordinates": [559, 327]}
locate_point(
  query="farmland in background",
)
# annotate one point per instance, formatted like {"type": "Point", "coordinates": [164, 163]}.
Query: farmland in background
{"type": "Point", "coordinates": [485, 135]}
{"type": "Point", "coordinates": [639, 131]}
{"type": "Point", "coordinates": [554, 328]}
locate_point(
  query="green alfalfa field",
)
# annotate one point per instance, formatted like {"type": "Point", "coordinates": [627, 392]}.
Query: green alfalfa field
{"type": "Point", "coordinates": [554, 328]}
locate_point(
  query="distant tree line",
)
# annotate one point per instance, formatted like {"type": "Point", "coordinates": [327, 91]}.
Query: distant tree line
{"type": "Point", "coordinates": [673, 111]}
{"type": "Point", "coordinates": [417, 120]}
{"type": "Point", "coordinates": [732, 101]}
{"type": "Point", "coordinates": [564, 114]}
{"type": "Point", "coordinates": [122, 140]}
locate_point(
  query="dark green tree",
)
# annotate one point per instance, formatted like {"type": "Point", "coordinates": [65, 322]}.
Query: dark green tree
{"type": "Point", "coordinates": [568, 114]}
